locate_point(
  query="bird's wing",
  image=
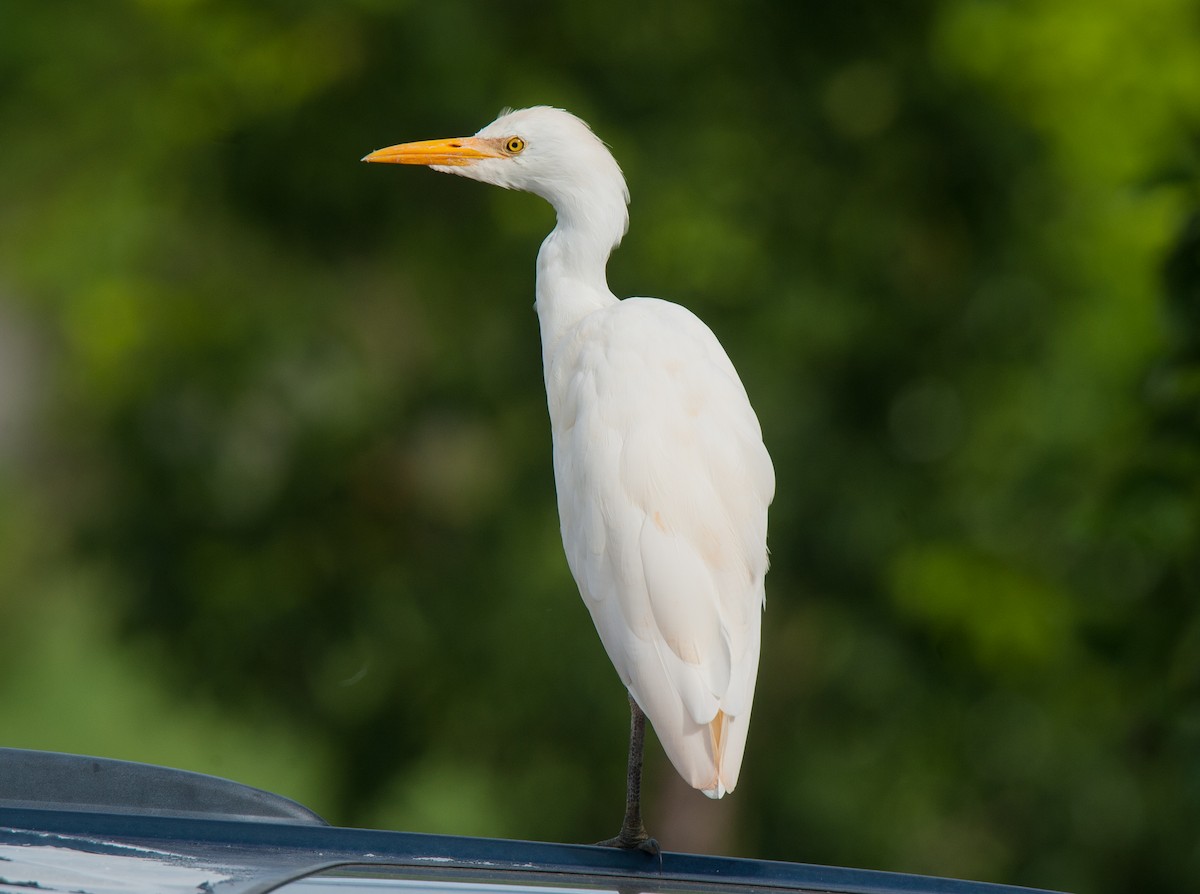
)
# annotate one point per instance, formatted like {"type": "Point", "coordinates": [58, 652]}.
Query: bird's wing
{"type": "Point", "coordinates": [663, 487]}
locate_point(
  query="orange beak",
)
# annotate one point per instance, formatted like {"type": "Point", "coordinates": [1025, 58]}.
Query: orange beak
{"type": "Point", "coordinates": [456, 152]}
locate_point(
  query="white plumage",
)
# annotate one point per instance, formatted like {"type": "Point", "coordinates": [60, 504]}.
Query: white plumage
{"type": "Point", "coordinates": [662, 477]}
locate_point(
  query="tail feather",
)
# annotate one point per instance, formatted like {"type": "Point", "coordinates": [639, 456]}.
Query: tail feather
{"type": "Point", "coordinates": [717, 728]}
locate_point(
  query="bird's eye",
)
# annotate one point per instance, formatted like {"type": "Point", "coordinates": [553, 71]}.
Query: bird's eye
{"type": "Point", "coordinates": [513, 145]}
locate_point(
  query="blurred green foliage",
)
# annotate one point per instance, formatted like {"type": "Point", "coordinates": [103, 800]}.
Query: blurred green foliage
{"type": "Point", "coordinates": [275, 487]}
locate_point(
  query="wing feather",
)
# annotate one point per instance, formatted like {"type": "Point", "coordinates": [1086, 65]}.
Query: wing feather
{"type": "Point", "coordinates": [663, 487]}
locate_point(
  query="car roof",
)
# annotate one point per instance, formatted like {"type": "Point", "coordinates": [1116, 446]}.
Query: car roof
{"type": "Point", "coordinates": [98, 826]}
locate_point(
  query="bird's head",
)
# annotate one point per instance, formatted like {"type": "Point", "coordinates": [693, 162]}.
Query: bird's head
{"type": "Point", "coordinates": [541, 150]}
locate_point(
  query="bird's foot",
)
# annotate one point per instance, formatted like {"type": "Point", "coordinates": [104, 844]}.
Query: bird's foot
{"type": "Point", "coordinates": [630, 841]}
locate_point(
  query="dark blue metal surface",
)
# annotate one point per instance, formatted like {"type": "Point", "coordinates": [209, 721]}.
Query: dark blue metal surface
{"type": "Point", "coordinates": [260, 856]}
{"type": "Point", "coordinates": [142, 818]}
{"type": "Point", "coordinates": [73, 781]}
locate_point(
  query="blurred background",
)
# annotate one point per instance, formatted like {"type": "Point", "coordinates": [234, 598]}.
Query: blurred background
{"type": "Point", "coordinates": [275, 485]}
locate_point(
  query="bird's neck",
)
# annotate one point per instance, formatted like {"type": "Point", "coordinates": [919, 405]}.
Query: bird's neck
{"type": "Point", "coordinates": [571, 280]}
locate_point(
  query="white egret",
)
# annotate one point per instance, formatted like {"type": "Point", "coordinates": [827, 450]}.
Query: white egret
{"type": "Point", "coordinates": [663, 480]}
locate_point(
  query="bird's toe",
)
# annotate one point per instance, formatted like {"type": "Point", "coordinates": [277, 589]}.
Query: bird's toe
{"type": "Point", "coordinates": [643, 843]}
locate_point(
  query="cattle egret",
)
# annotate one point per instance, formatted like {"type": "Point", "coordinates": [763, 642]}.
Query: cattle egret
{"type": "Point", "coordinates": [663, 480]}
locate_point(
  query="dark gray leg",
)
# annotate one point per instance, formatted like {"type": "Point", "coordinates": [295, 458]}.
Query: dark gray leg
{"type": "Point", "coordinates": [633, 832]}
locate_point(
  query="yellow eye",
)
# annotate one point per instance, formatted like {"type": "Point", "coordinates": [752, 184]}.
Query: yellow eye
{"type": "Point", "coordinates": [513, 145]}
